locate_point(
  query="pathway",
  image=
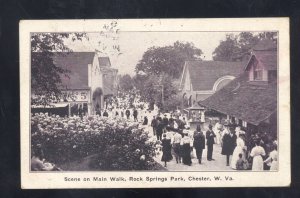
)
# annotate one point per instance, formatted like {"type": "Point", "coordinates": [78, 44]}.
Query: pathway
{"type": "Point", "coordinates": [218, 165]}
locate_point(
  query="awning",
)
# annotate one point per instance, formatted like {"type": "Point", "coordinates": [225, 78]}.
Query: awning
{"type": "Point", "coordinates": [52, 105]}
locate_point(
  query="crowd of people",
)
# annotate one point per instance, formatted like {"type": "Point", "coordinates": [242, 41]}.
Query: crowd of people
{"type": "Point", "coordinates": [172, 131]}
{"type": "Point", "coordinates": [254, 152]}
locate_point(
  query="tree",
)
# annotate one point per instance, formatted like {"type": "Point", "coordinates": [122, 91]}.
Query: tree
{"type": "Point", "coordinates": [227, 49]}
{"type": "Point", "coordinates": [237, 47]}
{"type": "Point", "coordinates": [125, 82]}
{"type": "Point", "coordinates": [168, 59]}
{"type": "Point", "coordinates": [45, 75]}
{"type": "Point", "coordinates": [156, 89]}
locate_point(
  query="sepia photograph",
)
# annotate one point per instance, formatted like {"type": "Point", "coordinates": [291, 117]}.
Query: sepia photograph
{"type": "Point", "coordinates": [163, 99]}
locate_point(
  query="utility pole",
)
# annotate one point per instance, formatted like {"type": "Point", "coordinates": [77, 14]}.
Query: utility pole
{"type": "Point", "coordinates": [162, 94]}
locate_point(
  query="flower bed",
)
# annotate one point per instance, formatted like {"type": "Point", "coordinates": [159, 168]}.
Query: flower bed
{"type": "Point", "coordinates": [118, 144]}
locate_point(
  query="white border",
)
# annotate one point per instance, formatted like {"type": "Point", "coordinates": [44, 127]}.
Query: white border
{"type": "Point", "coordinates": [241, 179]}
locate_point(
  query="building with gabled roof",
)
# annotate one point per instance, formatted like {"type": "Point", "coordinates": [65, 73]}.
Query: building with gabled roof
{"type": "Point", "coordinates": [90, 78]}
{"type": "Point", "coordinates": [200, 79]}
{"type": "Point", "coordinates": [251, 99]}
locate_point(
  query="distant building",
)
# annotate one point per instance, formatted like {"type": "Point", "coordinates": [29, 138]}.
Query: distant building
{"type": "Point", "coordinates": [250, 100]}
{"type": "Point", "coordinates": [201, 79]}
{"type": "Point", "coordinates": [91, 78]}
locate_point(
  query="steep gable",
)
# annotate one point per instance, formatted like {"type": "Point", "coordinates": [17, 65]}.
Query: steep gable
{"type": "Point", "coordinates": [204, 74]}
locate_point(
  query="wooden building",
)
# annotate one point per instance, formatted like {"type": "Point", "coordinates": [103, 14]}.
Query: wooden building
{"type": "Point", "coordinates": [91, 78]}
{"type": "Point", "coordinates": [200, 79]}
{"type": "Point", "coordinates": [250, 100]}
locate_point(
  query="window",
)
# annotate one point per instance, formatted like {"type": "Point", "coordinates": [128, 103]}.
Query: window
{"type": "Point", "coordinates": [257, 72]}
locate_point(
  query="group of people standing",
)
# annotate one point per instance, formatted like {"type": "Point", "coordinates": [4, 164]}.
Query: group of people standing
{"type": "Point", "coordinates": [239, 155]}
{"type": "Point", "coordinates": [184, 142]}
{"type": "Point", "coordinates": [250, 155]}
{"type": "Point", "coordinates": [183, 145]}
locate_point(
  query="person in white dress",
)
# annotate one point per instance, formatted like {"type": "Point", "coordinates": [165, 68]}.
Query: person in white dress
{"type": "Point", "coordinates": [257, 152]}
{"type": "Point", "coordinates": [239, 149]}
{"type": "Point", "coordinates": [272, 159]}
{"type": "Point", "coordinates": [217, 129]}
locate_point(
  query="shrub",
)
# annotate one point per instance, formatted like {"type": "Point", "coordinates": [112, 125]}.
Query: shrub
{"type": "Point", "coordinates": [117, 143]}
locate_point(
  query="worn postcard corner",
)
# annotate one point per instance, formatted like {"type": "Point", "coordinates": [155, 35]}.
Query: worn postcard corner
{"type": "Point", "coordinates": [155, 103]}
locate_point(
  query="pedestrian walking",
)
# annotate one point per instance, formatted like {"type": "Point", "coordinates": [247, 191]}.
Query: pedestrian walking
{"type": "Point", "coordinates": [229, 143]}
{"type": "Point", "coordinates": [210, 140]}
{"type": "Point", "coordinates": [135, 114]}
{"type": "Point", "coordinates": [257, 152]}
{"type": "Point", "coordinates": [165, 121]}
{"type": "Point", "coordinates": [166, 149]}
{"type": "Point", "coordinates": [145, 121]}
{"type": "Point", "coordinates": [127, 112]}
{"type": "Point", "coordinates": [154, 125]}
{"type": "Point", "coordinates": [159, 129]}
{"type": "Point", "coordinates": [239, 149]}
{"type": "Point", "coordinates": [217, 129]}
{"type": "Point", "coordinates": [186, 149]}
{"type": "Point", "coordinates": [176, 147]}
{"type": "Point", "coordinates": [199, 143]}
{"type": "Point", "coordinates": [272, 159]}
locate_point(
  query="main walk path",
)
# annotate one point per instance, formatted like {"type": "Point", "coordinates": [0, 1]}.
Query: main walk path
{"type": "Point", "coordinates": [219, 164]}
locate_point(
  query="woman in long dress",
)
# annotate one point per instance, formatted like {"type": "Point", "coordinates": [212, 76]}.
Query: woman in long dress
{"type": "Point", "coordinates": [272, 159]}
{"type": "Point", "coordinates": [239, 149]}
{"type": "Point", "coordinates": [186, 149]}
{"type": "Point", "coordinates": [257, 152]}
{"type": "Point", "coordinates": [218, 128]}
{"type": "Point", "coordinates": [166, 149]}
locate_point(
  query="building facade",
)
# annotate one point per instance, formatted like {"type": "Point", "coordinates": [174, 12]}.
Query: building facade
{"type": "Point", "coordinates": [200, 79]}
{"type": "Point", "coordinates": [250, 100]}
{"type": "Point", "coordinates": [90, 78]}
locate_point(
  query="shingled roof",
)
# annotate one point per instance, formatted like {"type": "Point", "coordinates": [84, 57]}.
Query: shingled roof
{"type": "Point", "coordinates": [266, 54]}
{"type": "Point", "coordinates": [204, 74]}
{"type": "Point", "coordinates": [244, 100]}
{"type": "Point", "coordinates": [77, 64]}
{"type": "Point", "coordinates": [267, 58]}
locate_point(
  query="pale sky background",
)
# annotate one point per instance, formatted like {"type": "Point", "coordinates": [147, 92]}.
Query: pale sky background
{"type": "Point", "coordinates": [134, 44]}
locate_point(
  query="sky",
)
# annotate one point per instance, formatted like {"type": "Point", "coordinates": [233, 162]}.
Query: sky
{"type": "Point", "coordinates": [134, 44]}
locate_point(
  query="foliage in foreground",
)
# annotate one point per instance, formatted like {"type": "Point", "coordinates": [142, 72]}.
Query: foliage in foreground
{"type": "Point", "coordinates": [117, 144]}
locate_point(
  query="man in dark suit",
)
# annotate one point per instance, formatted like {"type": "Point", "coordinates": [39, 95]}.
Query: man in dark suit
{"type": "Point", "coordinates": [210, 136]}
{"type": "Point", "coordinates": [199, 143]}
{"type": "Point", "coordinates": [154, 125]}
{"type": "Point", "coordinates": [127, 112]}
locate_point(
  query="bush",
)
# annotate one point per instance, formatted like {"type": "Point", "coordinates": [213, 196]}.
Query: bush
{"type": "Point", "coordinates": [117, 143]}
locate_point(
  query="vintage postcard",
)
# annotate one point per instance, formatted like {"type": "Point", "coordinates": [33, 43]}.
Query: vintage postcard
{"type": "Point", "coordinates": [155, 103]}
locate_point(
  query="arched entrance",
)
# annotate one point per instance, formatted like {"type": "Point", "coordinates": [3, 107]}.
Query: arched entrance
{"type": "Point", "coordinates": [97, 100]}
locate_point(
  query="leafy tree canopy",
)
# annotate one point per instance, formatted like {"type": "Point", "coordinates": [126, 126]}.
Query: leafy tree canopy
{"type": "Point", "coordinates": [236, 47]}
{"type": "Point", "coordinates": [168, 59]}
{"type": "Point", "coordinates": [126, 82]}
{"type": "Point", "coordinates": [156, 89]}
{"type": "Point", "coordinates": [45, 75]}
